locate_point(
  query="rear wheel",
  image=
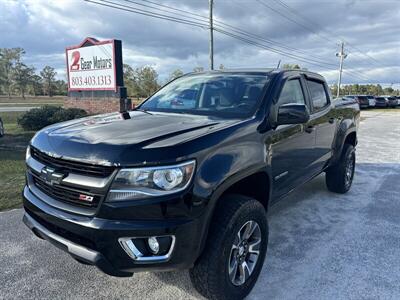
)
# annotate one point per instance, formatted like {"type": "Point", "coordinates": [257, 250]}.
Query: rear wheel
{"type": "Point", "coordinates": [340, 176]}
{"type": "Point", "coordinates": [234, 254]}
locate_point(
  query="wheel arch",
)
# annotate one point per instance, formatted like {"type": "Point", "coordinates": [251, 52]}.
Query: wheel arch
{"type": "Point", "coordinates": [346, 133]}
{"type": "Point", "coordinates": [248, 184]}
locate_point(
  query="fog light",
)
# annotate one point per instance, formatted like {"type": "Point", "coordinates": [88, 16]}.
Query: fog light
{"type": "Point", "coordinates": [153, 244]}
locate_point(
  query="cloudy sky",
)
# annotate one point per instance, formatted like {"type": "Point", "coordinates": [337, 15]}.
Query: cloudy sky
{"type": "Point", "coordinates": [308, 31]}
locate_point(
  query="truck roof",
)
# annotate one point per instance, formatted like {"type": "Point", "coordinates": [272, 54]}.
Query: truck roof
{"type": "Point", "coordinates": [264, 71]}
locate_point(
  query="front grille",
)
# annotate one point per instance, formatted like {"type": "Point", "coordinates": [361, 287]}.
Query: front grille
{"type": "Point", "coordinates": [71, 166]}
{"type": "Point", "coordinates": [65, 194]}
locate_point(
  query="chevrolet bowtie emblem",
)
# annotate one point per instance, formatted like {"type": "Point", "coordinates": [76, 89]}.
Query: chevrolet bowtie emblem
{"type": "Point", "coordinates": [50, 176]}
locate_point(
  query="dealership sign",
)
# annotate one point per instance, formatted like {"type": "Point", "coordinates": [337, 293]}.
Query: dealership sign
{"type": "Point", "coordinates": [92, 66]}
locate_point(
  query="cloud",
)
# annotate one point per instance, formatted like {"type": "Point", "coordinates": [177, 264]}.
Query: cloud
{"type": "Point", "coordinates": [44, 28]}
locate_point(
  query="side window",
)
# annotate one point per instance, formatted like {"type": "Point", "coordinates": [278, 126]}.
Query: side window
{"type": "Point", "coordinates": [291, 93]}
{"type": "Point", "coordinates": [318, 94]}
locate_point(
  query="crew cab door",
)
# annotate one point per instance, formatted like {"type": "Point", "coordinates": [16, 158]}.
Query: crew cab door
{"type": "Point", "coordinates": [291, 146]}
{"type": "Point", "coordinates": [322, 119]}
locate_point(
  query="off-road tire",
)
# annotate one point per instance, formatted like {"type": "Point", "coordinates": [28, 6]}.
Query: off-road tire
{"type": "Point", "coordinates": [337, 177]}
{"type": "Point", "coordinates": [210, 275]}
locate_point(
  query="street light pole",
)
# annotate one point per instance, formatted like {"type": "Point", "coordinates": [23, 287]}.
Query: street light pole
{"type": "Point", "coordinates": [342, 56]}
{"type": "Point", "coordinates": [211, 3]}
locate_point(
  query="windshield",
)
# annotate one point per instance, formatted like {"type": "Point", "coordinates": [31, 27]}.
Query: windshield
{"type": "Point", "coordinates": [221, 94]}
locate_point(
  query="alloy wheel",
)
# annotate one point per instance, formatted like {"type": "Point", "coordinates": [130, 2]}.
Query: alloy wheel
{"type": "Point", "coordinates": [244, 253]}
{"type": "Point", "coordinates": [349, 172]}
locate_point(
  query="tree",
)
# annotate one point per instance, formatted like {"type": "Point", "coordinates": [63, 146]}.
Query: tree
{"type": "Point", "coordinates": [129, 81]}
{"type": "Point", "coordinates": [48, 74]}
{"type": "Point", "coordinates": [291, 67]}
{"type": "Point", "coordinates": [146, 78]}
{"type": "Point", "coordinates": [140, 82]}
{"type": "Point", "coordinates": [198, 69]}
{"type": "Point", "coordinates": [61, 87]}
{"type": "Point", "coordinates": [364, 89]}
{"type": "Point", "coordinates": [9, 57]}
{"type": "Point", "coordinates": [175, 74]}
{"type": "Point", "coordinates": [388, 91]}
{"type": "Point", "coordinates": [36, 85]}
{"type": "Point", "coordinates": [22, 76]}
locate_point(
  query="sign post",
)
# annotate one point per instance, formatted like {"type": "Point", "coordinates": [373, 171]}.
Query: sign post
{"type": "Point", "coordinates": [95, 75]}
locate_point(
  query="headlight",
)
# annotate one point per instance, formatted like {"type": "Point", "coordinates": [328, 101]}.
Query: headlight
{"type": "Point", "coordinates": [28, 153]}
{"type": "Point", "coordinates": [138, 183]}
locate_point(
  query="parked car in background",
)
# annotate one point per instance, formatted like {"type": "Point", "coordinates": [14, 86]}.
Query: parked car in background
{"type": "Point", "coordinates": [391, 101]}
{"type": "Point", "coordinates": [371, 100]}
{"type": "Point", "coordinates": [1, 128]}
{"type": "Point", "coordinates": [349, 97]}
{"type": "Point", "coordinates": [363, 100]}
{"type": "Point", "coordinates": [381, 102]}
{"type": "Point", "coordinates": [398, 100]}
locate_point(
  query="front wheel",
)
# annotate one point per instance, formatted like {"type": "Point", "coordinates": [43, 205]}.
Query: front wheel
{"type": "Point", "coordinates": [234, 254]}
{"type": "Point", "coordinates": [340, 176]}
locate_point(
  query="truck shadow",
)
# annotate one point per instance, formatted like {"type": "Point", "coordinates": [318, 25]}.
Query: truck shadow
{"type": "Point", "coordinates": [179, 279]}
{"type": "Point", "coordinates": [300, 221]}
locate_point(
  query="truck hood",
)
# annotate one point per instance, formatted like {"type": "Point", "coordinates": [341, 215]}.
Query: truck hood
{"type": "Point", "coordinates": [111, 139]}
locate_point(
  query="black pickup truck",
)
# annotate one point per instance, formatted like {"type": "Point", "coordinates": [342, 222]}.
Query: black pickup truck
{"type": "Point", "coordinates": [185, 180]}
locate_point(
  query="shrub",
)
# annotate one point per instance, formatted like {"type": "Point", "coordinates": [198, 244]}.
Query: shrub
{"type": "Point", "coordinates": [67, 114]}
{"type": "Point", "coordinates": [38, 118]}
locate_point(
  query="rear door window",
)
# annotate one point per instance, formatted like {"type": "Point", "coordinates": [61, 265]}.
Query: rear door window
{"type": "Point", "coordinates": [318, 95]}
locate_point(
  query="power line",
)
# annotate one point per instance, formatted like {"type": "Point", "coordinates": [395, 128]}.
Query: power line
{"type": "Point", "coordinates": [165, 10]}
{"type": "Point", "coordinates": [146, 13]}
{"type": "Point", "coordinates": [243, 32]}
{"type": "Point", "coordinates": [294, 21]}
{"type": "Point", "coordinates": [269, 41]}
{"type": "Point", "coordinates": [225, 26]}
{"type": "Point", "coordinates": [187, 21]}
{"type": "Point", "coordinates": [295, 12]}
{"type": "Point", "coordinates": [176, 9]}
{"type": "Point", "coordinates": [291, 55]}
{"type": "Point", "coordinates": [184, 21]}
{"type": "Point", "coordinates": [349, 73]}
{"type": "Point", "coordinates": [233, 28]}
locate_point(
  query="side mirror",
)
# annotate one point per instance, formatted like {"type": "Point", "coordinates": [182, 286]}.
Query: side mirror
{"type": "Point", "coordinates": [293, 114]}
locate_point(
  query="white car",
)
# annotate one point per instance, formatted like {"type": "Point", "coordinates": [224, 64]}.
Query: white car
{"type": "Point", "coordinates": [371, 101]}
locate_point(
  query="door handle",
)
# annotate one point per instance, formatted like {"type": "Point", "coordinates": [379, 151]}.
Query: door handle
{"type": "Point", "coordinates": [310, 129]}
{"type": "Point", "coordinates": [331, 120]}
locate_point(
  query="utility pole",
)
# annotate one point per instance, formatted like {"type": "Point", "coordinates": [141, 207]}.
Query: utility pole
{"type": "Point", "coordinates": [342, 56]}
{"type": "Point", "coordinates": [211, 3]}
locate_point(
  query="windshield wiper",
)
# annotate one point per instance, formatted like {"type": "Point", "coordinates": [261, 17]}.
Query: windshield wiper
{"type": "Point", "coordinates": [144, 110]}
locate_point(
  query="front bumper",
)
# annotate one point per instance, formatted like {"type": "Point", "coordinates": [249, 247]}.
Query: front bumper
{"type": "Point", "coordinates": [95, 240]}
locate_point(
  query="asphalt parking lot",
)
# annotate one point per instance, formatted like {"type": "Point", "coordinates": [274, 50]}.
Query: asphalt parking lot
{"type": "Point", "coordinates": [322, 245]}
